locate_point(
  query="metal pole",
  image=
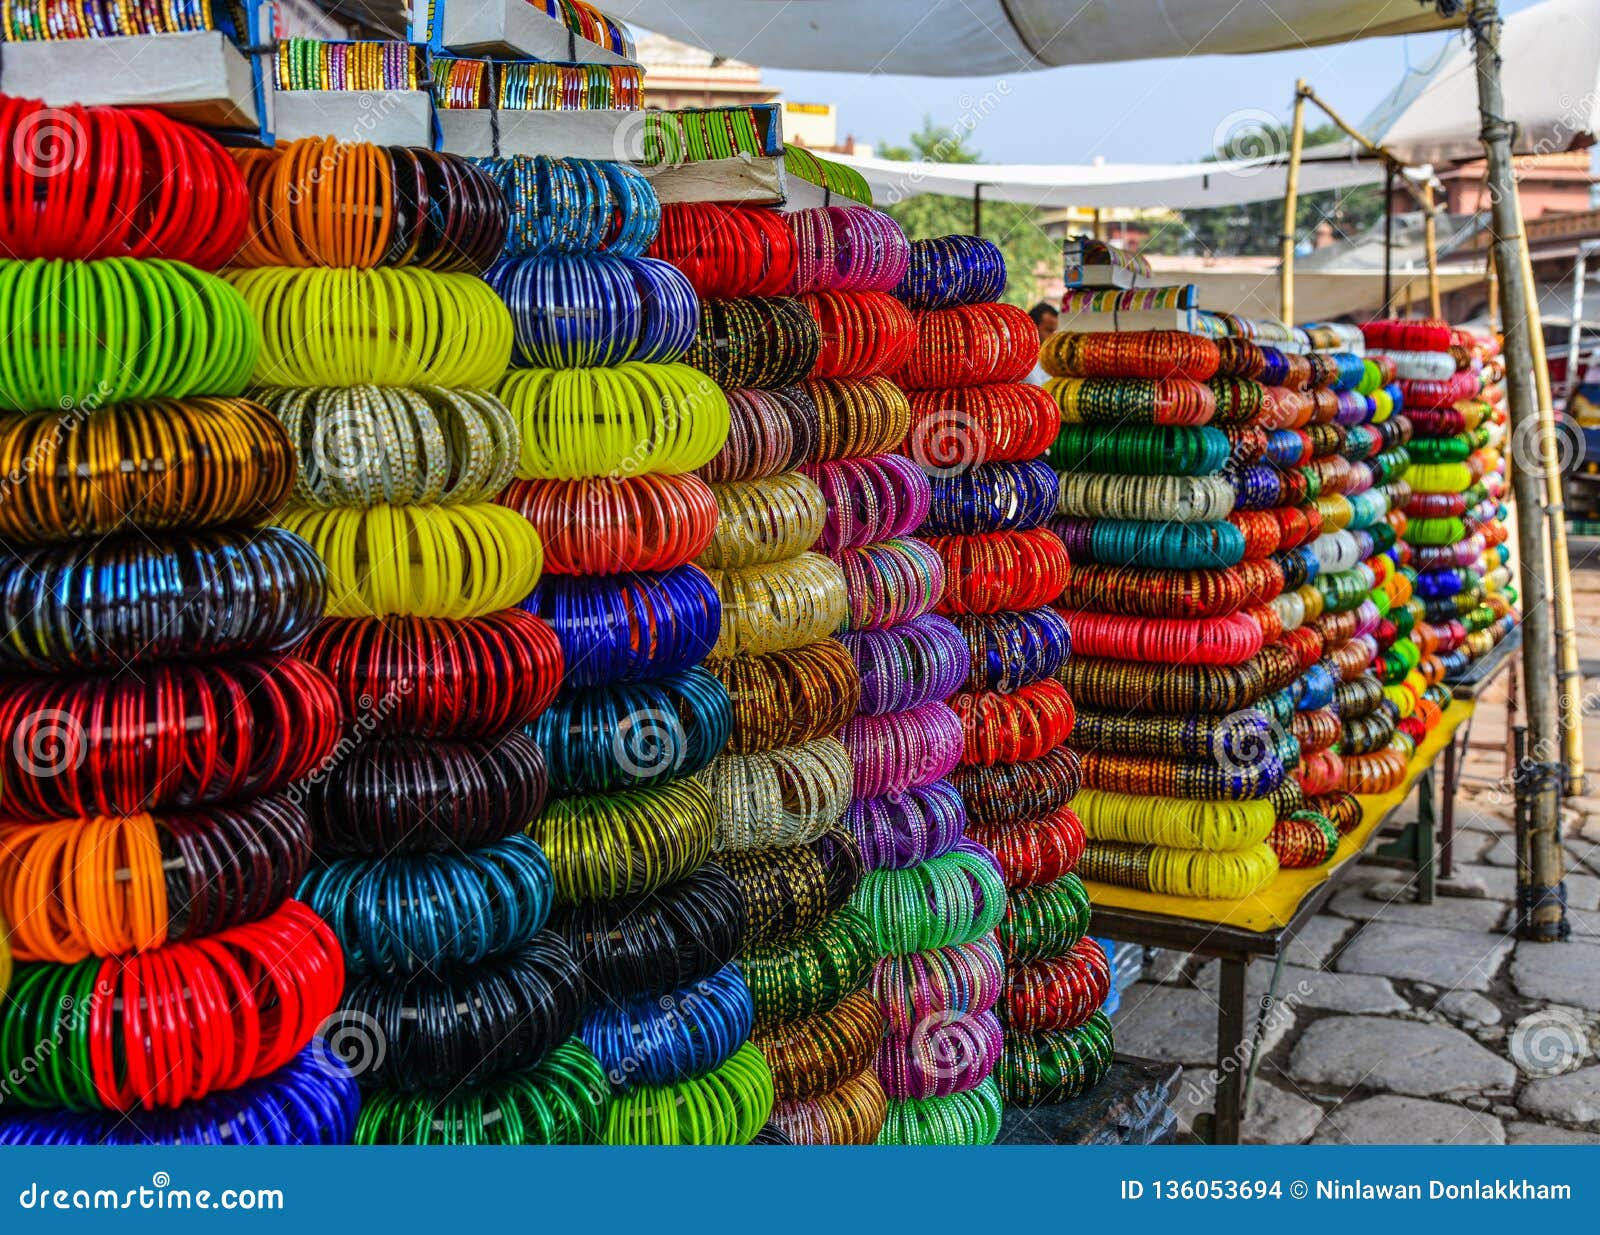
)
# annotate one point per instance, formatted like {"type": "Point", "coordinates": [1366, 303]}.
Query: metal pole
{"type": "Point", "coordinates": [1388, 238]}
{"type": "Point", "coordinates": [1430, 240]}
{"type": "Point", "coordinates": [1580, 276]}
{"type": "Point", "coordinates": [1569, 681]}
{"type": "Point", "coordinates": [1291, 206]}
{"type": "Point", "coordinates": [1541, 909]}
{"type": "Point", "coordinates": [977, 210]}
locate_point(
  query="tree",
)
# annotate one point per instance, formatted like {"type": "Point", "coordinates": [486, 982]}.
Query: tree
{"type": "Point", "coordinates": [1014, 228]}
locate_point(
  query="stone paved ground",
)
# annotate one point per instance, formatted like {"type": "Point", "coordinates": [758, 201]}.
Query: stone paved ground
{"type": "Point", "coordinates": [1404, 1023]}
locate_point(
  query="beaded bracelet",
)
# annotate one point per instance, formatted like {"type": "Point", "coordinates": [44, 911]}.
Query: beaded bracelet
{"type": "Point", "coordinates": [1044, 920]}
{"type": "Point", "coordinates": [790, 796]}
{"type": "Point", "coordinates": [790, 891]}
{"type": "Point", "coordinates": [405, 913]}
{"type": "Point", "coordinates": [1170, 546]}
{"type": "Point", "coordinates": [1229, 640]}
{"type": "Point", "coordinates": [1304, 839]}
{"type": "Point", "coordinates": [631, 735]}
{"type": "Point", "coordinates": [953, 899]}
{"type": "Point", "coordinates": [666, 939]}
{"type": "Point", "coordinates": [367, 445]}
{"type": "Point", "coordinates": [1017, 792]}
{"type": "Point", "coordinates": [855, 417]}
{"type": "Point", "coordinates": [868, 500]}
{"type": "Point", "coordinates": [404, 795]}
{"type": "Point", "coordinates": [939, 1058]}
{"type": "Point", "coordinates": [629, 628]}
{"type": "Point", "coordinates": [1033, 851]}
{"type": "Point", "coordinates": [971, 345]}
{"type": "Point", "coordinates": [906, 666]}
{"type": "Point", "coordinates": [952, 270]}
{"type": "Point", "coordinates": [890, 583]}
{"type": "Point", "coordinates": [902, 750]}
{"type": "Point", "coordinates": [1017, 727]}
{"type": "Point", "coordinates": [615, 526]}
{"type": "Point", "coordinates": [925, 987]}
{"type": "Point", "coordinates": [780, 605]}
{"type": "Point", "coordinates": [1139, 402]}
{"type": "Point", "coordinates": [1140, 450]}
{"type": "Point", "coordinates": [863, 334]}
{"type": "Point", "coordinates": [766, 342]}
{"type": "Point", "coordinates": [380, 327]}
{"type": "Point", "coordinates": [129, 599]}
{"type": "Point", "coordinates": [968, 1118]}
{"type": "Point", "coordinates": [727, 251]}
{"type": "Point", "coordinates": [111, 885]}
{"type": "Point", "coordinates": [574, 205]}
{"type": "Point", "coordinates": [152, 465]}
{"type": "Point", "coordinates": [563, 1101]}
{"type": "Point", "coordinates": [1000, 570]}
{"type": "Point", "coordinates": [788, 697]}
{"type": "Point", "coordinates": [628, 842]}
{"type": "Point", "coordinates": [128, 182]}
{"type": "Point", "coordinates": [580, 310]}
{"type": "Point", "coordinates": [992, 497]}
{"type": "Point", "coordinates": [311, 1100]}
{"type": "Point", "coordinates": [726, 1106]}
{"type": "Point", "coordinates": [818, 1053]}
{"type": "Point", "coordinates": [462, 1026]}
{"type": "Point", "coordinates": [322, 202]}
{"type": "Point", "coordinates": [810, 973]}
{"type": "Point", "coordinates": [952, 430]}
{"type": "Point", "coordinates": [847, 249]}
{"type": "Point", "coordinates": [96, 333]}
{"type": "Point", "coordinates": [769, 431]}
{"type": "Point", "coordinates": [177, 735]}
{"type": "Point", "coordinates": [693, 1030]}
{"type": "Point", "coordinates": [766, 520]}
{"type": "Point", "coordinates": [433, 679]}
{"type": "Point", "coordinates": [1152, 355]}
{"type": "Point", "coordinates": [235, 1006]}
{"type": "Point", "coordinates": [627, 420]}
{"type": "Point", "coordinates": [897, 831]}
{"type": "Point", "coordinates": [453, 562]}
{"type": "Point", "coordinates": [1059, 992]}
{"type": "Point", "coordinates": [1173, 822]}
{"type": "Point", "coordinates": [1056, 1065]}
{"type": "Point", "coordinates": [851, 1114]}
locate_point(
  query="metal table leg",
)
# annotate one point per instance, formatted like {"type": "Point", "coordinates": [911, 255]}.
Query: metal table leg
{"type": "Point", "coordinates": [1447, 812]}
{"type": "Point", "coordinates": [1427, 870]}
{"type": "Point", "coordinates": [1231, 1062]}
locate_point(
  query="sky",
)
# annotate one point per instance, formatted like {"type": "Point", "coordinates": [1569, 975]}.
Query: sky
{"type": "Point", "coordinates": [1150, 111]}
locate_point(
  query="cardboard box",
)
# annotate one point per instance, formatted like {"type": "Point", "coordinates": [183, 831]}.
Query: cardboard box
{"type": "Point", "coordinates": [756, 181]}
{"type": "Point", "coordinates": [198, 77]}
{"type": "Point", "coordinates": [506, 29]}
{"type": "Point", "coordinates": [613, 136]}
{"type": "Point", "coordinates": [1119, 277]}
{"type": "Point", "coordinates": [1089, 321]}
{"type": "Point", "coordinates": [384, 117]}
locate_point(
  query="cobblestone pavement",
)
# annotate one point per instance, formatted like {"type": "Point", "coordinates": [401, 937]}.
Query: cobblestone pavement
{"type": "Point", "coordinates": [1399, 1023]}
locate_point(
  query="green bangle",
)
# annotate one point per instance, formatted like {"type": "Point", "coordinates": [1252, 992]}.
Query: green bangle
{"type": "Point", "coordinates": [726, 1106]}
{"type": "Point", "coordinates": [626, 843]}
{"type": "Point", "coordinates": [1045, 920]}
{"type": "Point", "coordinates": [1056, 1065]}
{"type": "Point", "coordinates": [45, 1019]}
{"type": "Point", "coordinates": [561, 1102]}
{"type": "Point", "coordinates": [810, 973]}
{"type": "Point", "coordinates": [968, 1118]}
{"type": "Point", "coordinates": [947, 900]}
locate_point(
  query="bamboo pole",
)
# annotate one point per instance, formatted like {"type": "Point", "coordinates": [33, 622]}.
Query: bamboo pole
{"type": "Point", "coordinates": [1291, 205]}
{"type": "Point", "coordinates": [1541, 912]}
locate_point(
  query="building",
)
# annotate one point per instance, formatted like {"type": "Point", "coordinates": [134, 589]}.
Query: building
{"type": "Point", "coordinates": [679, 75]}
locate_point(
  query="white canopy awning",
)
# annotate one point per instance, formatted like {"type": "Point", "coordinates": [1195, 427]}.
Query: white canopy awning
{"type": "Point", "coordinates": [1176, 186]}
{"type": "Point", "coordinates": [1550, 72]}
{"type": "Point", "coordinates": [964, 38]}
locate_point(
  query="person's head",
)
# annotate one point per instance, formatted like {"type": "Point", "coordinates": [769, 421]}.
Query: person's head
{"type": "Point", "coordinates": [1044, 319]}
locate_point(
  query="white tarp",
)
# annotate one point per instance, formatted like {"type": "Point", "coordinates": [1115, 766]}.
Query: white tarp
{"type": "Point", "coordinates": [1176, 186]}
{"type": "Point", "coordinates": [964, 38]}
{"type": "Point", "coordinates": [1550, 73]}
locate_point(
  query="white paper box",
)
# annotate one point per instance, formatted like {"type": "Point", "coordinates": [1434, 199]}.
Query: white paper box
{"type": "Point", "coordinates": [751, 179]}
{"type": "Point", "coordinates": [514, 30]}
{"type": "Point", "coordinates": [613, 136]}
{"type": "Point", "coordinates": [384, 117]}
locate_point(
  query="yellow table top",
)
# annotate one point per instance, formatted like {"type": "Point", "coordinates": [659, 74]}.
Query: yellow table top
{"type": "Point", "coordinates": [1273, 906]}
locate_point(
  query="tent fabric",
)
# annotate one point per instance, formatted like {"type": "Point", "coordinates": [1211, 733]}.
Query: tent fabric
{"type": "Point", "coordinates": [1550, 72]}
{"type": "Point", "coordinates": [1176, 186]}
{"type": "Point", "coordinates": [964, 38]}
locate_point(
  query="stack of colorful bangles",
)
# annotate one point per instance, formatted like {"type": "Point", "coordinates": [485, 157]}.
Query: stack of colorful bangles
{"type": "Point", "coordinates": [1170, 660]}
{"type": "Point", "coordinates": [151, 707]}
{"type": "Point", "coordinates": [461, 1007]}
{"type": "Point", "coordinates": [613, 425]}
{"type": "Point", "coordinates": [1023, 1002]}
